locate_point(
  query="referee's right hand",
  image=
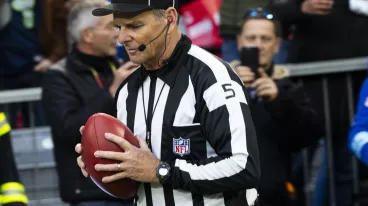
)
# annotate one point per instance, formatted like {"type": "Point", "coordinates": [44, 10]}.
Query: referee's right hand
{"type": "Point", "coordinates": [78, 149]}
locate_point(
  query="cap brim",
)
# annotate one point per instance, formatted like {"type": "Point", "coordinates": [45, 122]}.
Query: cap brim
{"type": "Point", "coordinates": [120, 8]}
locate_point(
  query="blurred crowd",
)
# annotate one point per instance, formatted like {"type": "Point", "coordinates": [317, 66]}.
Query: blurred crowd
{"type": "Point", "coordinates": [58, 45]}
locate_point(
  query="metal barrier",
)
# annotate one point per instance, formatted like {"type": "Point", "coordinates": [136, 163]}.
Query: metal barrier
{"type": "Point", "coordinates": [38, 157]}
{"type": "Point", "coordinates": [324, 68]}
{"type": "Point", "coordinates": [33, 151]}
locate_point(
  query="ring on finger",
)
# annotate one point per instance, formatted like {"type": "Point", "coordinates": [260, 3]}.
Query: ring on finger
{"type": "Point", "coordinates": [118, 167]}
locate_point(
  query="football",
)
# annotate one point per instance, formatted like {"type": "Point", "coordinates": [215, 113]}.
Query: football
{"type": "Point", "coordinates": [93, 139]}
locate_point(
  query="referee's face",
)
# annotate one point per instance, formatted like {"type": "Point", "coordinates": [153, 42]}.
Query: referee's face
{"type": "Point", "coordinates": [141, 29]}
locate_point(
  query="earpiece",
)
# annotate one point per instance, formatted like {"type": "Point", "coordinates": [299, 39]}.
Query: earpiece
{"type": "Point", "coordinates": [169, 19]}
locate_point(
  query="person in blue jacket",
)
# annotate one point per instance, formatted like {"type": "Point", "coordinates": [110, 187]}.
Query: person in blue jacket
{"type": "Point", "coordinates": [358, 135]}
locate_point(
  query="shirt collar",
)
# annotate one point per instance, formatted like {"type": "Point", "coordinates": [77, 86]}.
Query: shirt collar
{"type": "Point", "coordinates": [81, 62]}
{"type": "Point", "coordinates": [169, 71]}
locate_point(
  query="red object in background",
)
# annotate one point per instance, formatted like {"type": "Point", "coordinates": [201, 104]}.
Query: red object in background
{"type": "Point", "coordinates": [201, 19]}
{"type": "Point", "coordinates": [19, 120]}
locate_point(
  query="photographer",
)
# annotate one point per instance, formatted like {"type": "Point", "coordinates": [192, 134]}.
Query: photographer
{"type": "Point", "coordinates": [281, 111]}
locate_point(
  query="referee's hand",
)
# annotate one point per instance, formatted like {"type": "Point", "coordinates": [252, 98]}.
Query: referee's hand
{"type": "Point", "coordinates": [78, 149]}
{"type": "Point", "coordinates": [136, 163]}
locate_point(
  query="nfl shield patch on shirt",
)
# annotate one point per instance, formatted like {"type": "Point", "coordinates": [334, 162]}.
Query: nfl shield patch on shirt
{"type": "Point", "coordinates": [181, 146]}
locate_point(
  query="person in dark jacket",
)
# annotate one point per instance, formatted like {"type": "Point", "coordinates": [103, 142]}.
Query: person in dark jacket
{"type": "Point", "coordinates": [75, 88]}
{"type": "Point", "coordinates": [12, 191]}
{"type": "Point", "coordinates": [284, 119]}
{"type": "Point", "coordinates": [323, 29]}
{"type": "Point", "coordinates": [328, 30]}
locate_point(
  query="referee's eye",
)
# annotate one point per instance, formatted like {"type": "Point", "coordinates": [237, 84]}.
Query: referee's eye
{"type": "Point", "coordinates": [118, 27]}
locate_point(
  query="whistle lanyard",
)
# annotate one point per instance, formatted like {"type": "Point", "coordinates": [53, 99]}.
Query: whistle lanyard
{"type": "Point", "coordinates": [148, 116]}
{"type": "Point", "coordinates": [97, 76]}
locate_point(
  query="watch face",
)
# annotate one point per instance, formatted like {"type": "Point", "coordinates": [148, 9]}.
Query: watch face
{"type": "Point", "coordinates": [163, 171]}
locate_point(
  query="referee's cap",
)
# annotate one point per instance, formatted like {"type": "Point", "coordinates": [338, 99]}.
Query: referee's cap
{"type": "Point", "coordinates": [133, 6]}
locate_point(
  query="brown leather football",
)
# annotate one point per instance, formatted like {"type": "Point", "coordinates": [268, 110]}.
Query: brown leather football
{"type": "Point", "coordinates": [93, 139]}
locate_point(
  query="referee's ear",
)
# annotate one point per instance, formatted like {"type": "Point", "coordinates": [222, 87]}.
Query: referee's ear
{"type": "Point", "coordinates": [172, 13]}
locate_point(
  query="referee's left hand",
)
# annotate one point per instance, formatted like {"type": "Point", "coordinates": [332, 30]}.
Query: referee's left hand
{"type": "Point", "coordinates": [136, 163]}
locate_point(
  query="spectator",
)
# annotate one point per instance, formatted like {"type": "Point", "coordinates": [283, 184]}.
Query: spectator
{"type": "Point", "coordinates": [357, 141]}
{"type": "Point", "coordinates": [81, 84]}
{"type": "Point", "coordinates": [285, 121]}
{"type": "Point", "coordinates": [358, 136]}
{"type": "Point", "coordinates": [231, 13]}
{"type": "Point", "coordinates": [32, 39]}
{"type": "Point", "coordinates": [326, 30]}
{"type": "Point", "coordinates": [323, 29]}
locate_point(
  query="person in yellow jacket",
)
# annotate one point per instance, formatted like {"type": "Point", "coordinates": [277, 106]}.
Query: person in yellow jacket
{"type": "Point", "coordinates": [12, 192]}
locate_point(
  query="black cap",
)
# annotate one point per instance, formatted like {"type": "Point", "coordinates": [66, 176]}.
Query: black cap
{"type": "Point", "coordinates": [133, 6]}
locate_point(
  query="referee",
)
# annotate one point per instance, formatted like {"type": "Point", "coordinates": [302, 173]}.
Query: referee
{"type": "Point", "coordinates": [198, 145]}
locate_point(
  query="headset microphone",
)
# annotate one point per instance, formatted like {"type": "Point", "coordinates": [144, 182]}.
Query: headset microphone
{"type": "Point", "coordinates": [143, 47]}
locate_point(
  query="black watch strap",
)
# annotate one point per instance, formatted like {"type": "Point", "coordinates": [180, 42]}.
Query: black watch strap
{"type": "Point", "coordinates": [163, 172]}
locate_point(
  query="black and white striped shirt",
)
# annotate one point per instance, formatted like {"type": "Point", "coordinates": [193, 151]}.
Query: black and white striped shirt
{"type": "Point", "coordinates": [201, 125]}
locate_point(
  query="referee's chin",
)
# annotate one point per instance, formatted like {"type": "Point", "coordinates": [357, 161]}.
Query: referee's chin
{"type": "Point", "coordinates": [136, 59]}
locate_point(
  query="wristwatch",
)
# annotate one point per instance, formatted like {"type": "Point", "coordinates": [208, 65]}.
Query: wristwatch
{"type": "Point", "coordinates": [163, 172]}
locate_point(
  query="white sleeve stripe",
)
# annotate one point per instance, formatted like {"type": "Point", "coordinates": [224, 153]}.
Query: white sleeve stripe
{"type": "Point", "coordinates": [358, 142]}
{"type": "Point", "coordinates": [219, 70]}
{"type": "Point", "coordinates": [212, 171]}
{"type": "Point", "coordinates": [214, 99]}
{"type": "Point", "coordinates": [236, 118]}
{"type": "Point", "coordinates": [186, 111]}
{"type": "Point", "coordinates": [359, 6]}
{"type": "Point", "coordinates": [120, 104]}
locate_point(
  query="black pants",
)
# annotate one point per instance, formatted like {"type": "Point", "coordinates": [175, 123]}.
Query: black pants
{"type": "Point", "coordinates": [8, 171]}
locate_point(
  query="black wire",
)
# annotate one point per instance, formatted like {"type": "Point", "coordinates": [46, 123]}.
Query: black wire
{"type": "Point", "coordinates": [158, 35]}
{"type": "Point", "coordinates": [167, 32]}
{"type": "Point", "coordinates": [144, 104]}
{"type": "Point", "coordinates": [163, 86]}
{"type": "Point", "coordinates": [154, 109]}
